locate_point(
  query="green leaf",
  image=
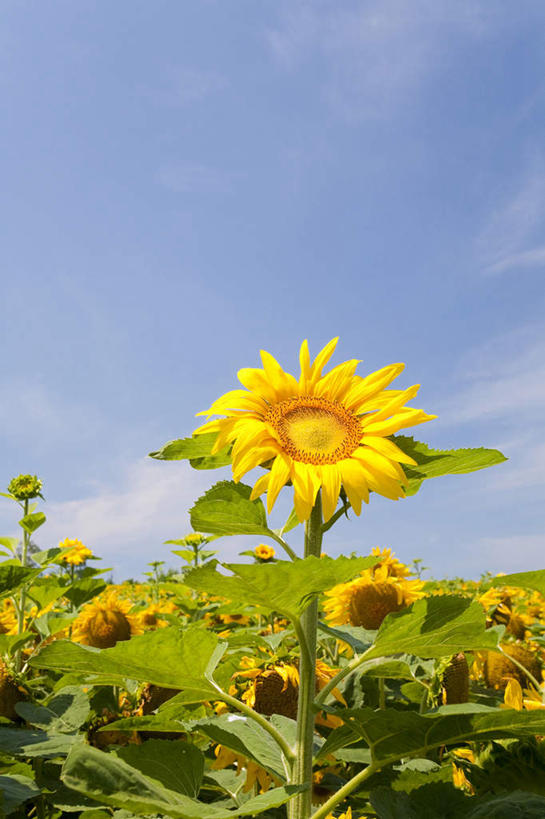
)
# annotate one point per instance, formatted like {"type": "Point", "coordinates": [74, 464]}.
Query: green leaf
{"type": "Point", "coordinates": [358, 638]}
{"type": "Point", "coordinates": [13, 577]}
{"type": "Point", "coordinates": [435, 627]}
{"type": "Point", "coordinates": [32, 522]}
{"type": "Point", "coordinates": [433, 463]}
{"type": "Point", "coordinates": [15, 790]}
{"type": "Point", "coordinates": [178, 766]}
{"type": "Point", "coordinates": [393, 734]}
{"type": "Point", "coordinates": [291, 523]}
{"type": "Point", "coordinates": [64, 713]}
{"type": "Point", "coordinates": [515, 805]}
{"type": "Point", "coordinates": [113, 782]}
{"type": "Point", "coordinates": [284, 586]}
{"type": "Point", "coordinates": [525, 580]}
{"type": "Point", "coordinates": [84, 590]}
{"type": "Point", "coordinates": [10, 543]}
{"type": "Point", "coordinates": [226, 509]}
{"type": "Point", "coordinates": [10, 643]}
{"type": "Point", "coordinates": [46, 590]}
{"type": "Point", "coordinates": [197, 450]}
{"type": "Point", "coordinates": [169, 657]}
{"type": "Point", "coordinates": [28, 742]}
{"type": "Point", "coordinates": [246, 737]}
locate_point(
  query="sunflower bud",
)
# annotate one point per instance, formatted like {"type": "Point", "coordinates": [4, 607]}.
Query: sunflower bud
{"type": "Point", "coordinates": [25, 487]}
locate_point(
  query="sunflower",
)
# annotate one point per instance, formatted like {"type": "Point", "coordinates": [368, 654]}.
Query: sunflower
{"type": "Point", "coordinates": [264, 552]}
{"type": "Point", "coordinates": [275, 689]}
{"type": "Point", "coordinates": [255, 774]}
{"type": "Point", "coordinates": [322, 431]}
{"type": "Point", "coordinates": [105, 622]}
{"type": "Point", "coordinates": [8, 617]}
{"type": "Point", "coordinates": [78, 553]}
{"type": "Point", "coordinates": [367, 600]}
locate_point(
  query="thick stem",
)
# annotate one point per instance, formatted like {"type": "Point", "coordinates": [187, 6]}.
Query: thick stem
{"type": "Point", "coordinates": [300, 806]}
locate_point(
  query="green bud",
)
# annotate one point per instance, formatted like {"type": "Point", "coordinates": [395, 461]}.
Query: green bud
{"type": "Point", "coordinates": [25, 487]}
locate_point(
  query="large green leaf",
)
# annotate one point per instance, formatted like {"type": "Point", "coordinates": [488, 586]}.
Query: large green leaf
{"type": "Point", "coordinates": [435, 627]}
{"type": "Point", "coordinates": [32, 522]}
{"type": "Point", "coordinates": [284, 586]}
{"type": "Point", "coordinates": [526, 580]}
{"type": "Point", "coordinates": [29, 742]}
{"type": "Point", "coordinates": [433, 463]}
{"type": "Point", "coordinates": [226, 509]}
{"type": "Point", "coordinates": [84, 590]}
{"type": "Point", "coordinates": [246, 737]}
{"type": "Point", "coordinates": [13, 576]}
{"type": "Point", "coordinates": [14, 791]}
{"type": "Point", "coordinates": [197, 450]}
{"type": "Point", "coordinates": [64, 713]}
{"type": "Point", "coordinates": [393, 734]}
{"type": "Point", "coordinates": [169, 657]}
{"type": "Point", "coordinates": [178, 766]}
{"type": "Point", "coordinates": [113, 782]}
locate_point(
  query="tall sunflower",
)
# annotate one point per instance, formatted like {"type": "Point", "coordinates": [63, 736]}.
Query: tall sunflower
{"type": "Point", "coordinates": [321, 431]}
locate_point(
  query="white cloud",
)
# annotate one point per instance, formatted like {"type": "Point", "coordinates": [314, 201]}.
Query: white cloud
{"type": "Point", "coordinates": [127, 525]}
{"type": "Point", "coordinates": [510, 240]}
{"type": "Point", "coordinates": [376, 52]}
{"type": "Point", "coordinates": [192, 177]}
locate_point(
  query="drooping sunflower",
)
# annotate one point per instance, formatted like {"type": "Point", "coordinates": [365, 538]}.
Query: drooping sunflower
{"type": "Point", "coordinates": [321, 431]}
{"type": "Point", "coordinates": [367, 600]}
{"type": "Point", "coordinates": [106, 621]}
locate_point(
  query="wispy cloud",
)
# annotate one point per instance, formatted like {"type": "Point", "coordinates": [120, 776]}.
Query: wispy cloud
{"type": "Point", "coordinates": [191, 177]}
{"type": "Point", "coordinates": [183, 86]}
{"type": "Point", "coordinates": [504, 377]}
{"type": "Point", "coordinates": [376, 52]}
{"type": "Point", "coordinates": [511, 237]}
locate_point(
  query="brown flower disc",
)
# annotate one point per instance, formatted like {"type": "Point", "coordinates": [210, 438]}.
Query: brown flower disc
{"type": "Point", "coordinates": [107, 628]}
{"type": "Point", "coordinates": [370, 604]}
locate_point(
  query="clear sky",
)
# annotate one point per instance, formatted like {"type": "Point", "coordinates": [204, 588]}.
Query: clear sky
{"type": "Point", "coordinates": [186, 183]}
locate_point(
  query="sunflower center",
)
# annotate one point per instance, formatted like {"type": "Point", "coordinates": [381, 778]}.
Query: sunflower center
{"type": "Point", "coordinates": [315, 430]}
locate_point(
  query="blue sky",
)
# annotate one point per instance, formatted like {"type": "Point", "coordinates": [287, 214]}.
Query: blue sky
{"type": "Point", "coordinates": [186, 183]}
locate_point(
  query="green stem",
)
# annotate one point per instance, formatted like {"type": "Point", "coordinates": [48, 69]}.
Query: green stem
{"type": "Point", "coordinates": [300, 806]}
{"type": "Point", "coordinates": [22, 597]}
{"type": "Point", "coordinates": [382, 693]}
{"type": "Point", "coordinates": [281, 542]}
{"type": "Point", "coordinates": [334, 518]}
{"type": "Point", "coordinates": [345, 791]}
{"type": "Point", "coordinates": [286, 749]}
{"type": "Point", "coordinates": [344, 672]}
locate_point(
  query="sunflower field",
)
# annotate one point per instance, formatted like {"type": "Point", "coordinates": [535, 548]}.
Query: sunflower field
{"type": "Point", "coordinates": [289, 685]}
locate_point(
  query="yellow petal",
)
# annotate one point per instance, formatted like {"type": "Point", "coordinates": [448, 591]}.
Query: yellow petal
{"type": "Point", "coordinates": [251, 459]}
{"type": "Point", "coordinates": [370, 385]}
{"type": "Point", "coordinates": [402, 419]}
{"type": "Point", "coordinates": [260, 486]}
{"type": "Point", "coordinates": [331, 486]}
{"type": "Point", "coordinates": [285, 384]}
{"type": "Point", "coordinates": [388, 448]}
{"type": "Point", "coordinates": [392, 406]}
{"type": "Point", "coordinates": [280, 475]}
{"type": "Point", "coordinates": [355, 485]}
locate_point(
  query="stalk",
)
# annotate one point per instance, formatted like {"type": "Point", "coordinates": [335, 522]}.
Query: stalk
{"type": "Point", "coordinates": [22, 597]}
{"type": "Point", "coordinates": [300, 806]}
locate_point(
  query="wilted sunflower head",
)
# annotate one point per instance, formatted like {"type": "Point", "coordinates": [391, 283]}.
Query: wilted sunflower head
{"type": "Point", "coordinates": [105, 621]}
{"type": "Point", "coordinates": [498, 668]}
{"type": "Point", "coordinates": [367, 600]}
{"type": "Point", "coordinates": [455, 681]}
{"type": "Point", "coordinates": [321, 431]}
{"type": "Point", "coordinates": [10, 693]}
{"type": "Point", "coordinates": [78, 553]}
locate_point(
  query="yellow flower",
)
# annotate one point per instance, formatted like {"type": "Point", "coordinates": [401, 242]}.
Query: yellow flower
{"type": "Point", "coordinates": [105, 621]}
{"type": "Point", "coordinates": [264, 552]}
{"type": "Point", "coordinates": [317, 432]}
{"type": "Point", "coordinates": [367, 600]}
{"type": "Point", "coordinates": [514, 697]}
{"type": "Point", "coordinates": [8, 618]}
{"type": "Point", "coordinates": [78, 553]}
{"type": "Point", "coordinates": [458, 775]}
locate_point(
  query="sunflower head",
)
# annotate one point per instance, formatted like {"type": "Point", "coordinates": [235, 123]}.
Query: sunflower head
{"type": "Point", "coordinates": [456, 680]}
{"type": "Point", "coordinates": [316, 432]}
{"type": "Point", "coordinates": [274, 690]}
{"type": "Point", "coordinates": [498, 669]}
{"type": "Point", "coordinates": [264, 553]}
{"type": "Point", "coordinates": [10, 693]}
{"type": "Point", "coordinates": [367, 600]}
{"type": "Point", "coordinates": [105, 622]}
{"type": "Point", "coordinates": [78, 553]}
